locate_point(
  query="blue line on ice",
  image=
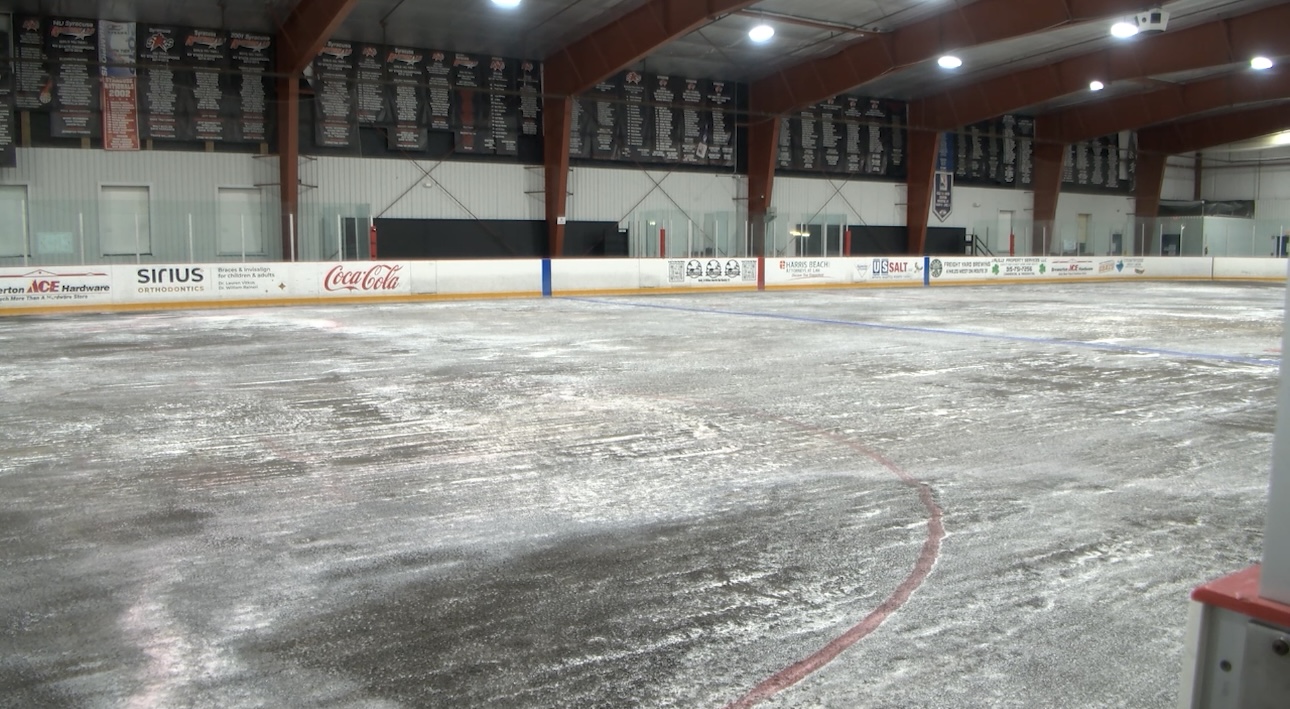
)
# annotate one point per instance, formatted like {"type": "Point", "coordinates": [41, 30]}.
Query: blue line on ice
{"type": "Point", "coordinates": [1102, 346]}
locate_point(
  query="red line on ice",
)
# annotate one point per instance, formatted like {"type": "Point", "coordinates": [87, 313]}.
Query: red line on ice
{"type": "Point", "coordinates": [802, 669]}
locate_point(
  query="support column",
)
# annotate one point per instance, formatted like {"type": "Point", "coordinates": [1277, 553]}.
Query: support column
{"type": "Point", "coordinates": [289, 163]}
{"type": "Point", "coordinates": [557, 117]}
{"type": "Point", "coordinates": [1197, 178]}
{"type": "Point", "coordinates": [1049, 159]}
{"type": "Point", "coordinates": [763, 145]}
{"type": "Point", "coordinates": [1151, 181]}
{"type": "Point", "coordinates": [921, 159]}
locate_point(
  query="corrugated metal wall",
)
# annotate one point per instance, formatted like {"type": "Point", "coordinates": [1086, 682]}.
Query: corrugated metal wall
{"type": "Point", "coordinates": [366, 188]}
{"type": "Point", "coordinates": [699, 213]}
{"type": "Point", "coordinates": [802, 201]}
{"type": "Point", "coordinates": [1180, 178]}
{"type": "Point", "coordinates": [63, 188]}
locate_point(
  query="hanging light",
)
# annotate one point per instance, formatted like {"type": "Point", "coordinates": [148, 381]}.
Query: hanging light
{"type": "Point", "coordinates": [1261, 63]}
{"type": "Point", "coordinates": [1125, 28]}
{"type": "Point", "coordinates": [1096, 85]}
{"type": "Point", "coordinates": [949, 61]}
{"type": "Point", "coordinates": [761, 33]}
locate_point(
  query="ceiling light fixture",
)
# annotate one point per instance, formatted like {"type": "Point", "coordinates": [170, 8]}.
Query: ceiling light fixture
{"type": "Point", "coordinates": [1125, 28]}
{"type": "Point", "coordinates": [1281, 138]}
{"type": "Point", "coordinates": [507, 3]}
{"type": "Point", "coordinates": [1096, 85]}
{"type": "Point", "coordinates": [761, 33]}
{"type": "Point", "coordinates": [949, 61]}
{"type": "Point", "coordinates": [1261, 63]}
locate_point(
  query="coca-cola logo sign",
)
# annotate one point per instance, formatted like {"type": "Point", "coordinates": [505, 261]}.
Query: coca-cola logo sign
{"type": "Point", "coordinates": [374, 278]}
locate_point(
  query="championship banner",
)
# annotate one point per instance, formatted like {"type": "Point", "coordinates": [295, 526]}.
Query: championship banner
{"type": "Point", "coordinates": [72, 50]}
{"type": "Point", "coordinates": [119, 85]}
{"type": "Point", "coordinates": [943, 196]}
{"type": "Point", "coordinates": [8, 155]}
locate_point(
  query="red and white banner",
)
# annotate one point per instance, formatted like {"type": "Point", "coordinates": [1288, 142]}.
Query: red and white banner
{"type": "Point", "coordinates": [120, 90]}
{"type": "Point", "coordinates": [360, 278]}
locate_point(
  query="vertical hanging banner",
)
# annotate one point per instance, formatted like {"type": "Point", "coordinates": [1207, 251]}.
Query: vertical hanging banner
{"type": "Point", "coordinates": [371, 102]}
{"type": "Point", "coordinates": [335, 116]}
{"type": "Point", "coordinates": [605, 119]}
{"type": "Point", "coordinates": [943, 190]}
{"type": "Point", "coordinates": [8, 155]}
{"type": "Point", "coordinates": [503, 134]}
{"type": "Point", "coordinates": [638, 142]}
{"type": "Point", "coordinates": [158, 55]}
{"type": "Point", "coordinates": [406, 84]}
{"type": "Point", "coordinates": [807, 154]}
{"type": "Point", "coordinates": [530, 88]}
{"type": "Point", "coordinates": [832, 135]}
{"type": "Point", "coordinates": [720, 124]}
{"type": "Point", "coordinates": [206, 51]}
{"type": "Point", "coordinates": [439, 91]}
{"type": "Point", "coordinates": [34, 88]}
{"type": "Point", "coordinates": [118, 84]}
{"type": "Point", "coordinates": [665, 143]}
{"type": "Point", "coordinates": [943, 196]}
{"type": "Point", "coordinates": [252, 58]}
{"type": "Point", "coordinates": [694, 131]}
{"type": "Point", "coordinates": [1025, 152]}
{"type": "Point", "coordinates": [73, 52]}
{"type": "Point", "coordinates": [469, 102]}
{"type": "Point", "coordinates": [879, 116]}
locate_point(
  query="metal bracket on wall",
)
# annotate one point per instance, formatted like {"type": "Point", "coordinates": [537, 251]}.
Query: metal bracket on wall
{"type": "Point", "coordinates": [543, 190]}
{"type": "Point", "coordinates": [278, 184]}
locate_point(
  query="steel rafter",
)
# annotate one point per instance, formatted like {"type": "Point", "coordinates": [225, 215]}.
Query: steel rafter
{"type": "Point", "coordinates": [1216, 43]}
{"type": "Point", "coordinates": [308, 27]}
{"type": "Point", "coordinates": [1095, 120]}
{"type": "Point", "coordinates": [629, 38]}
{"type": "Point", "coordinates": [960, 27]}
{"type": "Point", "coordinates": [1211, 131]}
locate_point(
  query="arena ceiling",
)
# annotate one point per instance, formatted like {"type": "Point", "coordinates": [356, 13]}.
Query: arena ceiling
{"type": "Point", "coordinates": [1034, 56]}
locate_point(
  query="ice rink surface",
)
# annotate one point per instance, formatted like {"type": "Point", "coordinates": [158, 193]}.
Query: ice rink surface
{"type": "Point", "coordinates": [631, 502]}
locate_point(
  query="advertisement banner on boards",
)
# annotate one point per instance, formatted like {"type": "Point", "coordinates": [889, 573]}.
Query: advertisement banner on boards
{"type": "Point", "coordinates": [1078, 267]}
{"type": "Point", "coordinates": [37, 286]}
{"type": "Point", "coordinates": [247, 280]}
{"type": "Point", "coordinates": [889, 270]}
{"type": "Point", "coordinates": [959, 269]}
{"type": "Point", "coordinates": [1020, 267]}
{"type": "Point", "coordinates": [711, 271]}
{"type": "Point", "coordinates": [363, 278]}
{"type": "Point", "coordinates": [163, 283]}
{"type": "Point", "coordinates": [806, 272]}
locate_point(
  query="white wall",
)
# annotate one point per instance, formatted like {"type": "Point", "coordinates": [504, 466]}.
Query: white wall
{"type": "Point", "coordinates": [698, 212]}
{"type": "Point", "coordinates": [1180, 178]}
{"type": "Point", "coordinates": [1108, 214]}
{"type": "Point", "coordinates": [63, 188]}
{"type": "Point", "coordinates": [1263, 176]}
{"type": "Point", "coordinates": [1226, 236]}
{"type": "Point", "coordinates": [977, 210]}
{"type": "Point", "coordinates": [373, 188]}
{"type": "Point", "coordinates": [398, 188]}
